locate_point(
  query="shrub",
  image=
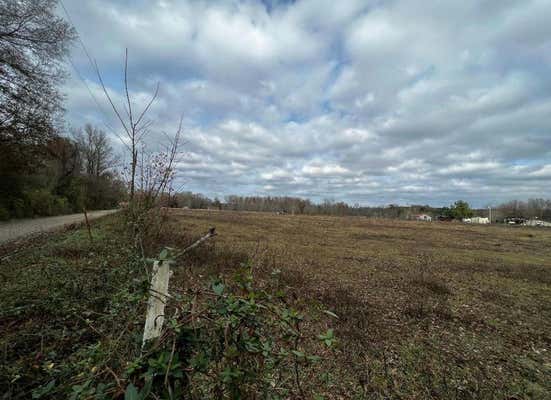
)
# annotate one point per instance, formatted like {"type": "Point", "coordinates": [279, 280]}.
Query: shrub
{"type": "Point", "coordinates": [43, 203]}
{"type": "Point", "coordinates": [75, 194]}
{"type": "Point", "coordinates": [40, 202]}
{"type": "Point", "coordinates": [4, 214]}
{"type": "Point", "coordinates": [60, 205]}
{"type": "Point", "coordinates": [21, 209]}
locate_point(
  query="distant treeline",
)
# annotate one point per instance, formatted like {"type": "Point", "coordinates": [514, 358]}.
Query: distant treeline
{"type": "Point", "coordinates": [533, 208]}
{"type": "Point", "coordinates": [295, 205]}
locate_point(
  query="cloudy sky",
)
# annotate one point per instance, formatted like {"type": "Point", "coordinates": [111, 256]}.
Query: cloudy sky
{"type": "Point", "coordinates": [370, 102]}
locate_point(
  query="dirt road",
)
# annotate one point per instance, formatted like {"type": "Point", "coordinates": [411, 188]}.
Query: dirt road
{"type": "Point", "coordinates": [24, 227]}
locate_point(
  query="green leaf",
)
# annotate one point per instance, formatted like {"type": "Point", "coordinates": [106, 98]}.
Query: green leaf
{"type": "Point", "coordinates": [328, 337]}
{"type": "Point", "coordinates": [218, 288]}
{"type": "Point", "coordinates": [164, 254]}
{"type": "Point", "coordinates": [43, 390]}
{"type": "Point", "coordinates": [297, 353]}
{"type": "Point", "coordinates": [131, 393]}
{"type": "Point", "coordinates": [146, 389]}
{"type": "Point", "coordinates": [50, 385]}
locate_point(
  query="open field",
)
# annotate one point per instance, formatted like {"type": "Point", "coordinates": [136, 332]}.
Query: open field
{"type": "Point", "coordinates": [426, 310]}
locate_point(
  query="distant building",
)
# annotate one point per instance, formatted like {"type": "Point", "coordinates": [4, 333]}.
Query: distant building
{"type": "Point", "coordinates": [480, 220]}
{"type": "Point", "coordinates": [422, 217]}
{"type": "Point", "coordinates": [537, 222]}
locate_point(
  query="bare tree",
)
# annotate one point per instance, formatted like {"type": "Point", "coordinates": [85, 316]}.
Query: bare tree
{"type": "Point", "coordinates": [96, 151]}
{"type": "Point", "coordinates": [156, 168]}
{"type": "Point", "coordinates": [135, 126]}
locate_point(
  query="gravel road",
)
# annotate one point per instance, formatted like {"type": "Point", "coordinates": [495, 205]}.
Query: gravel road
{"type": "Point", "coordinates": [24, 227]}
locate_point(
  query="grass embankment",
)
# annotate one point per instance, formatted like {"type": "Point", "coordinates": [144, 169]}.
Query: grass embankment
{"type": "Point", "coordinates": [425, 310]}
{"type": "Point", "coordinates": [69, 310]}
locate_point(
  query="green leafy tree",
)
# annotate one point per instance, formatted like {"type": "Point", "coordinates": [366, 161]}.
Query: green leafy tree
{"type": "Point", "coordinates": [461, 209]}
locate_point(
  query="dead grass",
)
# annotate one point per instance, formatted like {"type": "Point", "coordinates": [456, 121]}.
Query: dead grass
{"type": "Point", "coordinates": [427, 310]}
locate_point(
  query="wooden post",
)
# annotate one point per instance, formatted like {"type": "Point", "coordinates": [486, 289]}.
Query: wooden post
{"type": "Point", "coordinates": [158, 292]}
{"type": "Point", "coordinates": [88, 225]}
{"type": "Point", "coordinates": [158, 295]}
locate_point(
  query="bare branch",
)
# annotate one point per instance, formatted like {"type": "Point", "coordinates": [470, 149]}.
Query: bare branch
{"type": "Point", "coordinates": [148, 104]}
{"type": "Point", "coordinates": [132, 126]}
{"type": "Point", "coordinates": [115, 110]}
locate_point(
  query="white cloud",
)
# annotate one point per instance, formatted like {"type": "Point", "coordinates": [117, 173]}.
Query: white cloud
{"type": "Point", "coordinates": [370, 102]}
{"type": "Point", "coordinates": [319, 169]}
{"type": "Point", "coordinates": [543, 172]}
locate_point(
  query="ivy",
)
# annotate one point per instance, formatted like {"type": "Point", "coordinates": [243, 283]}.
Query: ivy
{"type": "Point", "coordinates": [244, 343]}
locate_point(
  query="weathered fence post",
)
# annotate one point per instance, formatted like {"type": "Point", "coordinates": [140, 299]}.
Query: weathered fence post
{"type": "Point", "coordinates": [158, 295]}
{"type": "Point", "coordinates": [158, 291]}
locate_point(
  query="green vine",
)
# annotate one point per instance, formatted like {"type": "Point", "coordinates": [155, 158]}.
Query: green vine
{"type": "Point", "coordinates": [230, 340]}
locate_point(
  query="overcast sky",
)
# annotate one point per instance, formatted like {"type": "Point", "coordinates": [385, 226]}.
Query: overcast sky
{"type": "Point", "coordinates": [370, 102]}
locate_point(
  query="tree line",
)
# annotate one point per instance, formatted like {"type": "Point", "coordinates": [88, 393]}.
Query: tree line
{"type": "Point", "coordinates": [291, 205]}
{"type": "Point", "coordinates": [532, 208]}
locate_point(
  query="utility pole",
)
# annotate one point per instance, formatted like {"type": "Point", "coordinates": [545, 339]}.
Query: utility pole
{"type": "Point", "coordinates": [490, 213]}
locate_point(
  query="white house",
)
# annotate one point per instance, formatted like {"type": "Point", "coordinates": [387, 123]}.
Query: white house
{"type": "Point", "coordinates": [423, 217]}
{"type": "Point", "coordinates": [480, 220]}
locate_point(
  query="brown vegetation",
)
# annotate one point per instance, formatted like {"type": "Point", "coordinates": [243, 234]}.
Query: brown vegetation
{"type": "Point", "coordinates": [426, 310]}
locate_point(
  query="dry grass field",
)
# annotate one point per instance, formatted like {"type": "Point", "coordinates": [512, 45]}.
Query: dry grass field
{"type": "Point", "coordinates": [425, 310]}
